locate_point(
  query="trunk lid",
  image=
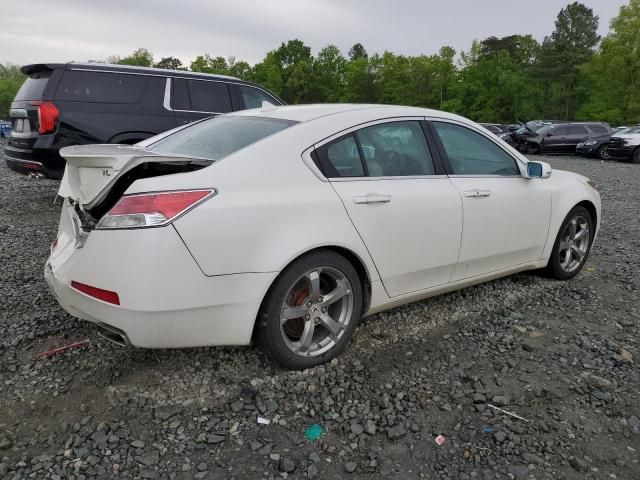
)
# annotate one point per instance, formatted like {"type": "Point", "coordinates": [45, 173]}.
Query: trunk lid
{"type": "Point", "coordinates": [96, 176]}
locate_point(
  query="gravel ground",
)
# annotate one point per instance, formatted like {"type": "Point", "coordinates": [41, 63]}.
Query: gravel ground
{"type": "Point", "coordinates": [562, 355]}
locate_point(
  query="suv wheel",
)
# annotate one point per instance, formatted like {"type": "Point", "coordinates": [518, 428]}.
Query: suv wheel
{"type": "Point", "coordinates": [311, 311]}
{"type": "Point", "coordinates": [636, 156]}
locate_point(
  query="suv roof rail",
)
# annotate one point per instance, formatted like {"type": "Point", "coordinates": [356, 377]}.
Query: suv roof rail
{"type": "Point", "coordinates": [37, 67]}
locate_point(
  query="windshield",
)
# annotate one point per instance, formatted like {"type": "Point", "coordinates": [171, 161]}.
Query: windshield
{"type": "Point", "coordinates": [632, 130]}
{"type": "Point", "coordinates": [218, 137]}
{"type": "Point", "coordinates": [546, 129]}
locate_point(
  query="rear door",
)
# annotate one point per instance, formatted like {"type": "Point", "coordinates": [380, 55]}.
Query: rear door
{"type": "Point", "coordinates": [576, 134]}
{"type": "Point", "coordinates": [402, 204]}
{"type": "Point", "coordinates": [194, 99]}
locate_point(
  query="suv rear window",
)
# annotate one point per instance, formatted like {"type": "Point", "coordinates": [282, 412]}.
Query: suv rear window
{"type": "Point", "coordinates": [101, 87]}
{"type": "Point", "coordinates": [33, 87]}
{"type": "Point", "coordinates": [218, 137]}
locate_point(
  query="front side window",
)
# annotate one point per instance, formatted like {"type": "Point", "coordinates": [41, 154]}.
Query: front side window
{"type": "Point", "coordinates": [218, 137]}
{"type": "Point", "coordinates": [395, 149]}
{"type": "Point", "coordinates": [253, 98]}
{"type": "Point", "coordinates": [470, 153]}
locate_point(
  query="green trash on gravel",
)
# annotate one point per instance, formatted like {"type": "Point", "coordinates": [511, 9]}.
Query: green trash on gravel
{"type": "Point", "coordinates": [314, 432]}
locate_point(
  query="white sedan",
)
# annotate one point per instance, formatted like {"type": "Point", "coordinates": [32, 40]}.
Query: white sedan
{"type": "Point", "coordinates": [289, 224]}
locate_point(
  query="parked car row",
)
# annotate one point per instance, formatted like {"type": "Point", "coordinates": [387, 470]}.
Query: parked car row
{"type": "Point", "coordinates": [74, 104]}
{"type": "Point", "coordinates": [590, 139]}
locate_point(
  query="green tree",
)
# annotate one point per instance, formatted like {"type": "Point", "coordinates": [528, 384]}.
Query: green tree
{"type": "Point", "coordinates": [571, 44]}
{"type": "Point", "coordinates": [612, 76]}
{"type": "Point", "coordinates": [140, 58]}
{"type": "Point", "coordinates": [328, 75]}
{"type": "Point", "coordinates": [170, 63]}
{"type": "Point", "coordinates": [11, 79]}
{"type": "Point", "coordinates": [208, 64]}
{"type": "Point", "coordinates": [357, 51]}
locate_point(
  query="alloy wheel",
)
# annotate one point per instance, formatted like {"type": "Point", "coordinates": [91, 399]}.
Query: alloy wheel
{"type": "Point", "coordinates": [604, 153]}
{"type": "Point", "coordinates": [316, 311]}
{"type": "Point", "coordinates": [574, 243]}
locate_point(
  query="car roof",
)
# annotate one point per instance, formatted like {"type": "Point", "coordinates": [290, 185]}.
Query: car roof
{"type": "Point", "coordinates": [306, 113]}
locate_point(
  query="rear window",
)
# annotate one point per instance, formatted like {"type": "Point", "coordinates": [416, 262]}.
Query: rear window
{"type": "Point", "coordinates": [218, 137]}
{"type": "Point", "coordinates": [101, 87]}
{"type": "Point", "coordinates": [33, 87]}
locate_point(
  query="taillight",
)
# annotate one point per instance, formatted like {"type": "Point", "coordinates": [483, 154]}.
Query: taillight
{"type": "Point", "coordinates": [152, 209]}
{"type": "Point", "coordinates": [47, 116]}
{"type": "Point", "coordinates": [95, 292]}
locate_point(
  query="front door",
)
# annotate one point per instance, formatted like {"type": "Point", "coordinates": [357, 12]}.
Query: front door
{"type": "Point", "coordinates": [506, 216]}
{"type": "Point", "coordinates": [408, 214]}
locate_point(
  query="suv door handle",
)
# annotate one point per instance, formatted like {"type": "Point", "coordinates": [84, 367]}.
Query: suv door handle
{"type": "Point", "coordinates": [477, 192]}
{"type": "Point", "coordinates": [372, 198]}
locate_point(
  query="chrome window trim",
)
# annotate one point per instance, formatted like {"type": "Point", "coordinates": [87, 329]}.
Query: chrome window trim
{"type": "Point", "coordinates": [495, 140]}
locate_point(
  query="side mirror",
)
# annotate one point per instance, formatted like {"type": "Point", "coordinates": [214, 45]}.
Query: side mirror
{"type": "Point", "coordinates": [538, 170]}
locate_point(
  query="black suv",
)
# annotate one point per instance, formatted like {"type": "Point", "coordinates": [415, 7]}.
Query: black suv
{"type": "Point", "coordinates": [73, 104]}
{"type": "Point", "coordinates": [563, 137]}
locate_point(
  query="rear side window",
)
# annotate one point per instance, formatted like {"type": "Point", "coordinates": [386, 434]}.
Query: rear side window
{"type": "Point", "coordinates": [341, 158]}
{"type": "Point", "coordinates": [253, 98]}
{"type": "Point", "coordinates": [211, 97]}
{"type": "Point", "coordinates": [218, 137]}
{"type": "Point", "coordinates": [33, 87]}
{"type": "Point", "coordinates": [577, 130]}
{"type": "Point", "coordinates": [101, 87]}
{"type": "Point", "coordinates": [599, 129]}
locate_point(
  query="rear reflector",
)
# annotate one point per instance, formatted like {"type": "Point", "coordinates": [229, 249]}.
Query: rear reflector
{"type": "Point", "coordinates": [152, 209]}
{"type": "Point", "coordinates": [100, 294]}
{"type": "Point", "coordinates": [47, 116]}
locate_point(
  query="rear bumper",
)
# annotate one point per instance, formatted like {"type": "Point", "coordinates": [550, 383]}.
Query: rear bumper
{"type": "Point", "coordinates": [27, 161]}
{"type": "Point", "coordinates": [165, 299]}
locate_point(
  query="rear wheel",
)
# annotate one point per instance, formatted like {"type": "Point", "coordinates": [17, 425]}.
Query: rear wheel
{"type": "Point", "coordinates": [636, 156]}
{"type": "Point", "coordinates": [572, 246]}
{"type": "Point", "coordinates": [310, 312]}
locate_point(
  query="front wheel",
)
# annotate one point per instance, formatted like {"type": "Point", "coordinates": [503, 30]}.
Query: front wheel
{"type": "Point", "coordinates": [636, 156]}
{"type": "Point", "coordinates": [572, 245]}
{"type": "Point", "coordinates": [311, 311]}
{"type": "Point", "coordinates": [603, 153]}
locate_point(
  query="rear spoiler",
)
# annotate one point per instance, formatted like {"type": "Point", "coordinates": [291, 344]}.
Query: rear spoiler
{"type": "Point", "coordinates": [40, 67]}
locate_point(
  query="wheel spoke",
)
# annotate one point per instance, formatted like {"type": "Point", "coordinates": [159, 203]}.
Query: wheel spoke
{"type": "Point", "coordinates": [307, 337]}
{"type": "Point", "coordinates": [579, 253]}
{"type": "Point", "coordinates": [564, 245]}
{"type": "Point", "coordinates": [314, 284]}
{"type": "Point", "coordinates": [333, 326]}
{"type": "Point", "coordinates": [567, 258]}
{"type": "Point", "coordinates": [336, 294]}
{"type": "Point", "coordinates": [573, 226]}
{"type": "Point", "coordinates": [583, 232]}
{"type": "Point", "coordinates": [293, 312]}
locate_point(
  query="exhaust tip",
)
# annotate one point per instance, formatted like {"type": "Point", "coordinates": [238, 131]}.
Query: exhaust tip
{"type": "Point", "coordinates": [113, 334]}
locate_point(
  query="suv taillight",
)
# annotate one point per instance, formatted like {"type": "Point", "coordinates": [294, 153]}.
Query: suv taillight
{"type": "Point", "coordinates": [47, 116]}
{"type": "Point", "coordinates": [152, 209]}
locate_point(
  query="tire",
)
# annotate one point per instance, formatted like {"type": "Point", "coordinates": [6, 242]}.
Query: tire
{"type": "Point", "coordinates": [635, 158]}
{"type": "Point", "coordinates": [603, 153]}
{"type": "Point", "coordinates": [563, 265]}
{"type": "Point", "coordinates": [322, 287]}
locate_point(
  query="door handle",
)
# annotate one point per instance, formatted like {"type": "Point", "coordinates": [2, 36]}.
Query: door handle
{"type": "Point", "coordinates": [372, 198]}
{"type": "Point", "coordinates": [477, 192]}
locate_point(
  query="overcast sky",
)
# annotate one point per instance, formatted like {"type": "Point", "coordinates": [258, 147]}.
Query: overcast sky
{"type": "Point", "coordinates": [65, 30]}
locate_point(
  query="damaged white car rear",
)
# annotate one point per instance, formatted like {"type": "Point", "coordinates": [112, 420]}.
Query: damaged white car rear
{"type": "Point", "coordinates": [289, 224]}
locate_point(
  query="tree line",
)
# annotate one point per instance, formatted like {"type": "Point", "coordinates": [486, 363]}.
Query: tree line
{"type": "Point", "coordinates": [572, 74]}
